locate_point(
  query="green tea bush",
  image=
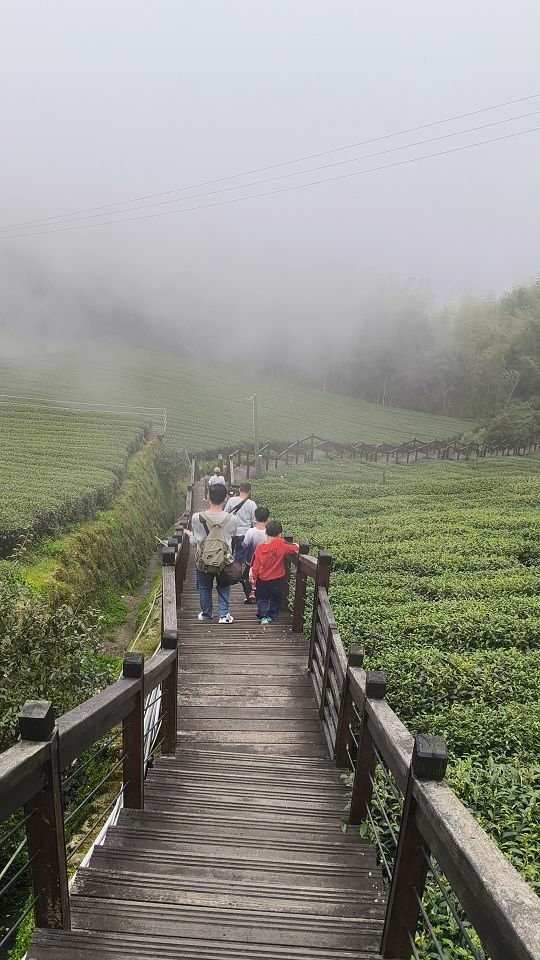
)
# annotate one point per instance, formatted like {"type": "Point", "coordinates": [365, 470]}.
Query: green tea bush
{"type": "Point", "coordinates": [46, 654]}
{"type": "Point", "coordinates": [436, 573]}
{"type": "Point", "coordinates": [114, 547]}
{"type": "Point", "coordinates": [59, 467]}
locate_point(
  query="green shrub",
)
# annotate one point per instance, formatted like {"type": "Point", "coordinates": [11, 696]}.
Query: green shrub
{"type": "Point", "coordinates": [46, 654]}
{"type": "Point", "coordinates": [113, 548]}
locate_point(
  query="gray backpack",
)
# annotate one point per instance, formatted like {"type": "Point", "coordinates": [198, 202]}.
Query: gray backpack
{"type": "Point", "coordinates": [213, 553]}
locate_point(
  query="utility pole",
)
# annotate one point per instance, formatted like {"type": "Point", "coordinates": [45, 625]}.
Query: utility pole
{"type": "Point", "coordinates": [256, 434]}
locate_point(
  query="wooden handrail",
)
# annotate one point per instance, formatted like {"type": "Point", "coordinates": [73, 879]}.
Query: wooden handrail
{"type": "Point", "coordinates": [30, 770]}
{"type": "Point", "coordinates": [361, 731]}
{"type": "Point", "coordinates": [501, 907]}
{"type": "Point", "coordinates": [21, 775]}
{"type": "Point", "coordinates": [87, 723]}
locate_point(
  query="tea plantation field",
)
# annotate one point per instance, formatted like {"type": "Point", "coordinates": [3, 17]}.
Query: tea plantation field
{"type": "Point", "coordinates": [437, 573]}
{"type": "Point", "coordinates": [208, 406]}
{"type": "Point", "coordinates": [58, 467]}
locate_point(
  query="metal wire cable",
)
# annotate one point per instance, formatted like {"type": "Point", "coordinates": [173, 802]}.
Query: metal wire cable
{"type": "Point", "coordinates": [438, 880]}
{"type": "Point", "coordinates": [7, 937]}
{"type": "Point", "coordinates": [427, 921]}
{"type": "Point", "coordinates": [358, 715]}
{"type": "Point", "coordinates": [353, 736]}
{"type": "Point", "coordinates": [300, 173]}
{"type": "Point", "coordinates": [379, 844]}
{"type": "Point", "coordinates": [273, 166]}
{"type": "Point", "coordinates": [97, 753]}
{"type": "Point", "coordinates": [12, 858]}
{"type": "Point", "coordinates": [155, 748]}
{"type": "Point", "coordinates": [279, 190]}
{"type": "Point", "coordinates": [16, 876]}
{"type": "Point", "coordinates": [101, 816]}
{"type": "Point", "coordinates": [94, 791]}
{"type": "Point", "coordinates": [15, 828]}
{"type": "Point", "coordinates": [416, 955]}
{"type": "Point", "coordinates": [387, 775]}
{"type": "Point", "coordinates": [383, 811]}
{"type": "Point", "coordinates": [154, 725]}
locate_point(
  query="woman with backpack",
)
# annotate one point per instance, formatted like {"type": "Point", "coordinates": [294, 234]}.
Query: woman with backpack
{"type": "Point", "coordinates": [212, 533]}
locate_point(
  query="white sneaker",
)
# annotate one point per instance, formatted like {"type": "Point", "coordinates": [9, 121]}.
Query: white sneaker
{"type": "Point", "coordinates": [227, 619]}
{"type": "Point", "coordinates": [202, 617]}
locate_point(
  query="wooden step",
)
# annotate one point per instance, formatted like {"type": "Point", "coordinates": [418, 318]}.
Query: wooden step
{"type": "Point", "coordinates": [238, 895]}
{"type": "Point", "coordinates": [111, 914]}
{"type": "Point", "coordinates": [143, 858]}
{"type": "Point", "coordinates": [253, 832]}
{"type": "Point", "coordinates": [98, 945]}
{"type": "Point", "coordinates": [239, 853]}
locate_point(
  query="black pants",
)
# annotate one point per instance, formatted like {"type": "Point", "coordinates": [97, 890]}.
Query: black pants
{"type": "Point", "coordinates": [246, 582]}
{"type": "Point", "coordinates": [236, 543]}
{"type": "Point", "coordinates": [269, 594]}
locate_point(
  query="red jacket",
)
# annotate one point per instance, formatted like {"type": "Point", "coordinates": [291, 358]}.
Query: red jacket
{"type": "Point", "coordinates": [268, 559]}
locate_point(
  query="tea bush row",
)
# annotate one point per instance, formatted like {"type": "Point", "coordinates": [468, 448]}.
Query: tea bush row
{"type": "Point", "coordinates": [59, 467]}
{"type": "Point", "coordinates": [436, 571]}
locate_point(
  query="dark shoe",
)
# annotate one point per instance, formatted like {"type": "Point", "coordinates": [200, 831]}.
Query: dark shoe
{"type": "Point", "coordinates": [248, 600]}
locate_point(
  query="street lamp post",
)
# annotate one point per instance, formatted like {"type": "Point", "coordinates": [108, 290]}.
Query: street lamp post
{"type": "Point", "coordinates": [253, 398]}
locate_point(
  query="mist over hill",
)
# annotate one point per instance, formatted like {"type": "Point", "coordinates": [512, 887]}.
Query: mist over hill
{"type": "Point", "coordinates": [392, 344]}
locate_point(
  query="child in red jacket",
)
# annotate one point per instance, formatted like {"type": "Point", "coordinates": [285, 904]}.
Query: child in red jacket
{"type": "Point", "coordinates": [268, 571]}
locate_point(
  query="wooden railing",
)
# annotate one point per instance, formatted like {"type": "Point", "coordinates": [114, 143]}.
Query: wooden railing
{"type": "Point", "coordinates": [426, 838]}
{"type": "Point", "coordinates": [273, 454]}
{"type": "Point", "coordinates": [128, 723]}
{"type": "Point", "coordinates": [430, 847]}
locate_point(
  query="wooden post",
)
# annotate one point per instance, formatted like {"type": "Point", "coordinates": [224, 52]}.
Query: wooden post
{"type": "Point", "coordinates": [45, 824]}
{"type": "Point", "coordinates": [346, 714]}
{"type": "Point", "coordinates": [169, 688]}
{"type": "Point", "coordinates": [178, 578]}
{"type": "Point", "coordinates": [429, 762]}
{"type": "Point", "coordinates": [169, 641]}
{"type": "Point", "coordinates": [299, 607]}
{"type": "Point", "coordinates": [288, 537]}
{"type": "Point", "coordinates": [322, 579]}
{"type": "Point", "coordinates": [366, 759]}
{"type": "Point", "coordinates": [133, 736]}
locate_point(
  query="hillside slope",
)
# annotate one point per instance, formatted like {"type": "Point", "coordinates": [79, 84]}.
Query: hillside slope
{"type": "Point", "coordinates": [436, 572]}
{"type": "Point", "coordinates": [207, 406]}
{"type": "Point", "coordinates": [59, 466]}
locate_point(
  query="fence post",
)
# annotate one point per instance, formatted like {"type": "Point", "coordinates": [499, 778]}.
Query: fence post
{"type": "Point", "coordinates": [429, 762]}
{"type": "Point", "coordinates": [299, 607]}
{"type": "Point", "coordinates": [366, 758]}
{"type": "Point", "coordinates": [169, 641]}
{"type": "Point", "coordinates": [322, 579]}
{"type": "Point", "coordinates": [133, 736]}
{"type": "Point", "coordinates": [288, 537]}
{"type": "Point", "coordinates": [45, 824]}
{"type": "Point", "coordinates": [178, 571]}
{"type": "Point", "coordinates": [346, 714]}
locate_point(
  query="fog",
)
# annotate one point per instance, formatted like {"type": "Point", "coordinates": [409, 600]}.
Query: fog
{"type": "Point", "coordinates": [106, 101]}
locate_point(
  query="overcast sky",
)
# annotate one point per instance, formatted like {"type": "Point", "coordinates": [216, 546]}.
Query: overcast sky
{"type": "Point", "coordinates": [111, 99]}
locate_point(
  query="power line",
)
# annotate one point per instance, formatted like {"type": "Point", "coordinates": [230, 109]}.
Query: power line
{"type": "Point", "coordinates": [271, 193]}
{"type": "Point", "coordinates": [285, 176]}
{"type": "Point", "coordinates": [273, 166]}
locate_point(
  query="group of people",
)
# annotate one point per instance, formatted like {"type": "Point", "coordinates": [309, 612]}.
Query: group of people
{"type": "Point", "coordinates": [236, 541]}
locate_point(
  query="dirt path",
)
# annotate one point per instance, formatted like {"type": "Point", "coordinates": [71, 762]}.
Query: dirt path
{"type": "Point", "coordinates": [124, 634]}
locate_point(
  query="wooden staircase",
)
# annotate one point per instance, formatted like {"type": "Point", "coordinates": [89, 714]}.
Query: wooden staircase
{"type": "Point", "coordinates": [240, 851]}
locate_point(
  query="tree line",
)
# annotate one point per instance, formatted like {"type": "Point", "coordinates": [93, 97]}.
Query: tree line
{"type": "Point", "coordinates": [476, 359]}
